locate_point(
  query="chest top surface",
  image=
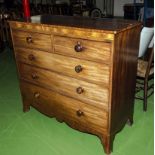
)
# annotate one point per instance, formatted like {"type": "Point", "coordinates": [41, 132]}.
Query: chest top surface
{"type": "Point", "coordinates": [104, 24]}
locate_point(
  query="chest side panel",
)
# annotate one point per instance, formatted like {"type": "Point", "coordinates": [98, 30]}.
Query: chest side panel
{"type": "Point", "coordinates": [126, 47]}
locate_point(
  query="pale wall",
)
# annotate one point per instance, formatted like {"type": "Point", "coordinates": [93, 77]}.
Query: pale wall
{"type": "Point", "coordinates": [118, 6]}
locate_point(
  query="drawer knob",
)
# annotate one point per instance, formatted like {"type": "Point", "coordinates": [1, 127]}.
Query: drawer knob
{"type": "Point", "coordinates": [29, 39]}
{"type": "Point", "coordinates": [79, 113]}
{"type": "Point", "coordinates": [34, 76]}
{"type": "Point", "coordinates": [79, 90]}
{"type": "Point", "coordinates": [78, 47]}
{"type": "Point", "coordinates": [78, 68]}
{"type": "Point", "coordinates": [36, 95]}
{"type": "Point", "coordinates": [31, 57]}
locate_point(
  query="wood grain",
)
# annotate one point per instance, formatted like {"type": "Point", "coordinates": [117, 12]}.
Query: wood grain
{"type": "Point", "coordinates": [92, 72]}
{"type": "Point", "coordinates": [92, 50]}
{"type": "Point", "coordinates": [106, 25]}
{"type": "Point", "coordinates": [39, 41]}
{"type": "Point", "coordinates": [92, 94]}
{"type": "Point", "coordinates": [124, 78]}
{"type": "Point", "coordinates": [63, 31]}
{"type": "Point", "coordinates": [65, 108]}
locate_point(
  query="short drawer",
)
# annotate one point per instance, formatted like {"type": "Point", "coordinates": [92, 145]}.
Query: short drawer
{"type": "Point", "coordinates": [32, 40]}
{"type": "Point", "coordinates": [78, 89]}
{"type": "Point", "coordinates": [74, 112]}
{"type": "Point", "coordinates": [81, 69]}
{"type": "Point", "coordinates": [83, 49]}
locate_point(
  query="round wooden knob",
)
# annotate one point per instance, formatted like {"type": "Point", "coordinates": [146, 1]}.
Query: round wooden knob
{"type": "Point", "coordinates": [78, 47]}
{"type": "Point", "coordinates": [79, 90]}
{"type": "Point", "coordinates": [31, 57]}
{"type": "Point", "coordinates": [34, 76]}
{"type": "Point", "coordinates": [36, 95]}
{"type": "Point", "coordinates": [79, 113]}
{"type": "Point", "coordinates": [78, 68]}
{"type": "Point", "coordinates": [29, 39]}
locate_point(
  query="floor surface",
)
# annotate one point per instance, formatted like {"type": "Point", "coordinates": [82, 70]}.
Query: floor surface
{"type": "Point", "coordinates": [33, 133]}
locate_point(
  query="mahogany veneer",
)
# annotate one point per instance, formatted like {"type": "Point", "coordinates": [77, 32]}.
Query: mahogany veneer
{"type": "Point", "coordinates": [81, 71]}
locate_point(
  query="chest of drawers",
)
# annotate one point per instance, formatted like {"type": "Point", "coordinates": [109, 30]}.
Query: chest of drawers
{"type": "Point", "coordinates": [81, 71]}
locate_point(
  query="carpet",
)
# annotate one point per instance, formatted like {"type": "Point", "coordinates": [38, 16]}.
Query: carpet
{"type": "Point", "coordinates": [33, 133]}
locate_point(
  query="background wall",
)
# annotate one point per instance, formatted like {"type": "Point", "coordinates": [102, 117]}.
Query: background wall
{"type": "Point", "coordinates": [99, 4]}
{"type": "Point", "coordinates": [118, 6]}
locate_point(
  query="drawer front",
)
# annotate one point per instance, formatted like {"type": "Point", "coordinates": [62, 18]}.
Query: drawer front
{"type": "Point", "coordinates": [83, 49]}
{"type": "Point", "coordinates": [65, 108]}
{"type": "Point", "coordinates": [81, 69]}
{"type": "Point", "coordinates": [78, 89]}
{"type": "Point", "coordinates": [32, 40]}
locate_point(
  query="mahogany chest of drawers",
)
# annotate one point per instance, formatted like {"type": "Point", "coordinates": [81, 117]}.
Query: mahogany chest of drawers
{"type": "Point", "coordinates": [81, 71]}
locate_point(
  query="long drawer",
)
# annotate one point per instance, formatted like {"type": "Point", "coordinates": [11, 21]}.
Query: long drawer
{"type": "Point", "coordinates": [78, 89]}
{"type": "Point", "coordinates": [83, 49]}
{"type": "Point", "coordinates": [77, 68]}
{"type": "Point", "coordinates": [32, 40]}
{"type": "Point", "coordinates": [72, 111]}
